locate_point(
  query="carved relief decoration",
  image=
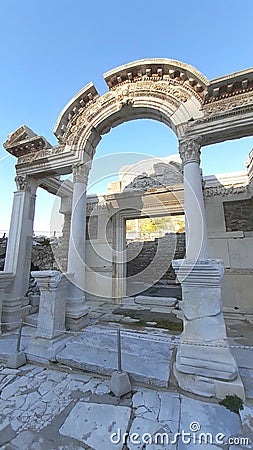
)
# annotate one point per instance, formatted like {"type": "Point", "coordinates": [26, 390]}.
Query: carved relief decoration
{"type": "Point", "coordinates": [23, 183]}
{"type": "Point", "coordinates": [224, 191]}
{"type": "Point", "coordinates": [31, 157]}
{"type": "Point", "coordinates": [172, 92]}
{"type": "Point", "coordinates": [229, 103]}
{"type": "Point", "coordinates": [159, 85]}
{"type": "Point", "coordinates": [189, 150]}
{"type": "Point", "coordinates": [80, 173]}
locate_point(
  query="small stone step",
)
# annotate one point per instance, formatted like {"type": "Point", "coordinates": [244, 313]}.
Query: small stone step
{"type": "Point", "coordinates": [156, 301]}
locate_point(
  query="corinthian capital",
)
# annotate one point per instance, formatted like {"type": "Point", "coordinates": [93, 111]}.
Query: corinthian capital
{"type": "Point", "coordinates": [80, 173]}
{"type": "Point", "coordinates": [23, 183]}
{"type": "Point", "coordinates": [189, 150]}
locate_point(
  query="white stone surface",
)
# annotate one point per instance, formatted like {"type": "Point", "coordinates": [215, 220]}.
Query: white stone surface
{"type": "Point", "coordinates": [147, 403]}
{"type": "Point", "coordinates": [208, 418]}
{"type": "Point", "coordinates": [93, 424]}
{"type": "Point", "coordinates": [235, 387]}
{"type": "Point", "coordinates": [129, 320]}
{"type": "Point", "coordinates": [76, 308]}
{"type": "Point", "coordinates": [246, 415]}
{"type": "Point", "coordinates": [155, 301]}
{"type": "Point", "coordinates": [5, 279]}
{"type": "Point", "coordinates": [96, 350]}
{"type": "Point", "coordinates": [247, 377]}
{"type": "Point", "coordinates": [51, 318]}
{"type": "Point", "coordinates": [204, 351]}
{"type": "Point", "coordinates": [140, 432]}
{"type": "Point", "coordinates": [120, 383]}
{"type": "Point", "coordinates": [196, 227]}
{"type": "Point", "coordinates": [170, 408]}
{"type": "Point", "coordinates": [16, 360]}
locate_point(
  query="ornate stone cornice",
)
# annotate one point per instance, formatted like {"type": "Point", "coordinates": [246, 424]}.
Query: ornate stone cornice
{"type": "Point", "coordinates": [230, 86]}
{"type": "Point", "coordinates": [38, 155]}
{"type": "Point", "coordinates": [80, 173]}
{"type": "Point", "coordinates": [189, 150]}
{"type": "Point", "coordinates": [23, 183]}
{"type": "Point", "coordinates": [24, 141]}
{"type": "Point", "coordinates": [225, 191]}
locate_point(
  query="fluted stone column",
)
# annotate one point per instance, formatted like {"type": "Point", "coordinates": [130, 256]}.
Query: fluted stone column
{"type": "Point", "coordinates": [77, 310]}
{"type": "Point", "coordinates": [204, 363]}
{"type": "Point", "coordinates": [19, 248]}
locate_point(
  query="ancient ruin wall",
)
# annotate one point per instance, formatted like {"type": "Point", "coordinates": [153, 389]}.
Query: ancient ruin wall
{"type": "Point", "coordinates": [172, 244]}
{"type": "Point", "coordinates": [239, 215]}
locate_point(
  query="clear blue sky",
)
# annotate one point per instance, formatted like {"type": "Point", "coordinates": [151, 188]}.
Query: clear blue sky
{"type": "Point", "coordinates": [51, 49]}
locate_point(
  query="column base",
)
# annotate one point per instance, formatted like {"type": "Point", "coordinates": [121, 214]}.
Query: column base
{"type": "Point", "coordinates": [77, 314]}
{"type": "Point", "coordinates": [204, 363]}
{"type": "Point", "coordinates": [13, 311]}
{"type": "Point", "coordinates": [43, 350]}
{"type": "Point", "coordinates": [77, 324]}
{"type": "Point", "coordinates": [209, 387]}
{"type": "Point", "coordinates": [211, 362]}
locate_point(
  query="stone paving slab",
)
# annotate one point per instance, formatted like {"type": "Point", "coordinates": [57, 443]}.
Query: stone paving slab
{"type": "Point", "coordinates": [97, 425]}
{"type": "Point", "coordinates": [46, 409]}
{"type": "Point", "coordinates": [96, 350]}
{"type": "Point", "coordinates": [200, 417]}
{"type": "Point", "coordinates": [247, 378]}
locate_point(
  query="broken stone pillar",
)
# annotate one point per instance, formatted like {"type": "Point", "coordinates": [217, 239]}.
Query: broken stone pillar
{"type": "Point", "coordinates": [204, 363]}
{"type": "Point", "coordinates": [19, 248]}
{"type": "Point", "coordinates": [50, 334]}
{"type": "Point", "coordinates": [53, 289]}
{"type": "Point", "coordinates": [77, 310]}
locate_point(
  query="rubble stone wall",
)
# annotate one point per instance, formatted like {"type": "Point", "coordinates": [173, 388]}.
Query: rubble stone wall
{"type": "Point", "coordinates": [163, 249]}
{"type": "Point", "coordinates": [239, 215]}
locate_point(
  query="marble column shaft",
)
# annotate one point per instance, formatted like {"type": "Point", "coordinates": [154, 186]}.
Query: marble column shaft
{"type": "Point", "coordinates": [195, 216]}
{"type": "Point", "coordinates": [76, 305]}
{"type": "Point", "coordinates": [19, 248]}
{"type": "Point", "coordinates": [204, 363]}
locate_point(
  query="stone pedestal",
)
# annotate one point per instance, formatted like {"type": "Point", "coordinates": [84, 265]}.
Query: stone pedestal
{"type": "Point", "coordinates": [49, 338]}
{"type": "Point", "coordinates": [5, 280]}
{"type": "Point", "coordinates": [53, 288]}
{"type": "Point", "coordinates": [77, 310]}
{"type": "Point", "coordinates": [18, 254]}
{"type": "Point", "coordinates": [203, 358]}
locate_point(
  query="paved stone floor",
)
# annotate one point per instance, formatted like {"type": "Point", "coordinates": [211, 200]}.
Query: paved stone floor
{"type": "Point", "coordinates": [58, 407]}
{"type": "Point", "coordinates": [43, 408]}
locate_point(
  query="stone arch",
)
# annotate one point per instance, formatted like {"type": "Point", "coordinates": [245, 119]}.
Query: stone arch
{"type": "Point", "coordinates": [161, 89]}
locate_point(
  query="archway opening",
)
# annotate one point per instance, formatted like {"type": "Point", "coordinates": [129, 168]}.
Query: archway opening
{"type": "Point", "coordinates": [137, 156]}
